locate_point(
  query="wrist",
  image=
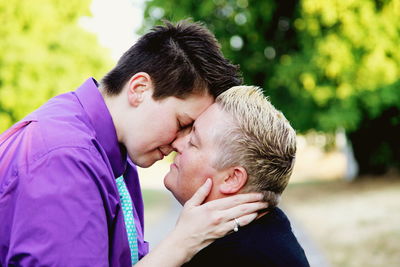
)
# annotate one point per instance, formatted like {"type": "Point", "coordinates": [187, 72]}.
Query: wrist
{"type": "Point", "coordinates": [180, 246]}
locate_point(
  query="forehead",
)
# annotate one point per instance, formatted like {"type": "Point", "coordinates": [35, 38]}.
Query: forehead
{"type": "Point", "coordinates": [195, 104]}
{"type": "Point", "coordinates": [211, 122]}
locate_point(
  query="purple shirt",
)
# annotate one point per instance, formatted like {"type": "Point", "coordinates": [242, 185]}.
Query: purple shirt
{"type": "Point", "coordinates": [59, 203]}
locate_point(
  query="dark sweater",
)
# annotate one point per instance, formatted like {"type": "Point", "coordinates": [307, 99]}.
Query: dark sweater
{"type": "Point", "coordinates": [268, 241]}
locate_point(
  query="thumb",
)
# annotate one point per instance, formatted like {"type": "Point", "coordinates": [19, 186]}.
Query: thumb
{"type": "Point", "coordinates": [200, 194]}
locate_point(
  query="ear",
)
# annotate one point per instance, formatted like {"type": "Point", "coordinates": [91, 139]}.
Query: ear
{"type": "Point", "coordinates": [235, 179]}
{"type": "Point", "coordinates": [139, 84]}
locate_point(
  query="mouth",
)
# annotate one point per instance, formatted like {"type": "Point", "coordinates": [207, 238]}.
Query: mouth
{"type": "Point", "coordinates": [173, 165]}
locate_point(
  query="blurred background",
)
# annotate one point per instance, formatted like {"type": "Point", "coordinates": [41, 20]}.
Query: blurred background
{"type": "Point", "coordinates": [332, 67]}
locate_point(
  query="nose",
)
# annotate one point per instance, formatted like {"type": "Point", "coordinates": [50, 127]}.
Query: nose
{"type": "Point", "coordinates": [180, 141]}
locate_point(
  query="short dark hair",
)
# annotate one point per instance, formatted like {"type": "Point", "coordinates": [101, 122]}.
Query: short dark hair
{"type": "Point", "coordinates": [181, 59]}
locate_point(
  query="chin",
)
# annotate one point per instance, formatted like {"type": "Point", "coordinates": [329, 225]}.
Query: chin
{"type": "Point", "coordinates": [170, 189]}
{"type": "Point", "coordinates": [179, 199]}
{"type": "Point", "coordinates": [166, 181]}
{"type": "Point", "coordinates": [144, 162]}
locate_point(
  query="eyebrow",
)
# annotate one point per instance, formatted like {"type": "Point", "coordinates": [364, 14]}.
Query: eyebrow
{"type": "Point", "coordinates": [196, 135]}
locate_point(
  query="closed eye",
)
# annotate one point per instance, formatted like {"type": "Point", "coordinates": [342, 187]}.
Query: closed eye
{"type": "Point", "coordinates": [183, 126]}
{"type": "Point", "coordinates": [190, 143]}
{"type": "Point", "coordinates": [180, 126]}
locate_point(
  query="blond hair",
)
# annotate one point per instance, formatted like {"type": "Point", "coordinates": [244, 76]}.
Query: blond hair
{"type": "Point", "coordinates": [259, 138]}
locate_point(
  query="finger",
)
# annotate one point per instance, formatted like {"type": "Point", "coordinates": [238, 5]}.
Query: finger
{"type": "Point", "coordinates": [233, 201]}
{"type": "Point", "coordinates": [201, 194]}
{"type": "Point", "coordinates": [243, 220]}
{"type": "Point", "coordinates": [243, 210]}
{"type": "Point", "coordinates": [229, 226]}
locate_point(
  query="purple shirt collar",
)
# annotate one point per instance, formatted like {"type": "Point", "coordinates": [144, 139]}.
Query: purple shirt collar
{"type": "Point", "coordinates": [93, 103]}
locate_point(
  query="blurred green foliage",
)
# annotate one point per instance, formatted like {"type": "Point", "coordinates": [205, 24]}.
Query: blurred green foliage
{"type": "Point", "coordinates": [43, 52]}
{"type": "Point", "coordinates": [326, 64]}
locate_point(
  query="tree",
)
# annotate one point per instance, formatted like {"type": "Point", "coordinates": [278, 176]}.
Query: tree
{"type": "Point", "coordinates": [326, 64]}
{"type": "Point", "coordinates": [44, 53]}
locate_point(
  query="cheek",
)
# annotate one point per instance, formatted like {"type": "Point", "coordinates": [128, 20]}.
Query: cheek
{"type": "Point", "coordinates": [194, 172]}
{"type": "Point", "coordinates": [167, 130]}
{"type": "Point", "coordinates": [188, 164]}
{"type": "Point", "coordinates": [169, 135]}
{"type": "Point", "coordinates": [160, 133]}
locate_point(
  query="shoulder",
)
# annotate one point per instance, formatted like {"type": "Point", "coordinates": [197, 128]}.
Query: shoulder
{"type": "Point", "coordinates": [62, 145]}
{"type": "Point", "coordinates": [229, 252]}
{"type": "Point", "coordinates": [62, 121]}
{"type": "Point", "coordinates": [58, 126]}
{"type": "Point", "coordinates": [268, 241]}
{"type": "Point", "coordinates": [275, 239]}
{"type": "Point", "coordinates": [67, 171]}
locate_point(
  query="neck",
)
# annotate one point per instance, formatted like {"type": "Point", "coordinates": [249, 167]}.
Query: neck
{"type": "Point", "coordinates": [262, 213]}
{"type": "Point", "coordinates": [113, 105]}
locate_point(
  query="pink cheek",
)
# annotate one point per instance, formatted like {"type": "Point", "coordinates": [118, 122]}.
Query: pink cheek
{"type": "Point", "coordinates": [171, 134]}
{"type": "Point", "coordinates": [186, 167]}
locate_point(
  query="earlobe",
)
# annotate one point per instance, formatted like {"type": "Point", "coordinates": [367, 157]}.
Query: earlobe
{"type": "Point", "coordinates": [135, 99]}
{"type": "Point", "coordinates": [235, 180]}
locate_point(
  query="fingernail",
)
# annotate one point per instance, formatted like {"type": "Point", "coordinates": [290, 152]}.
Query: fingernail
{"type": "Point", "coordinates": [254, 215]}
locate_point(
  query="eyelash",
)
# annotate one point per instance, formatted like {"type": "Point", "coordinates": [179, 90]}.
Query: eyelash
{"type": "Point", "coordinates": [190, 143]}
{"type": "Point", "coordinates": [180, 126]}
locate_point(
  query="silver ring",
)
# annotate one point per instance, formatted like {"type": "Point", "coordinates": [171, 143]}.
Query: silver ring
{"type": "Point", "coordinates": [237, 225]}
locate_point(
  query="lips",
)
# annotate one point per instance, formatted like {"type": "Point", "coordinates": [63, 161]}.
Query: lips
{"type": "Point", "coordinates": [175, 163]}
